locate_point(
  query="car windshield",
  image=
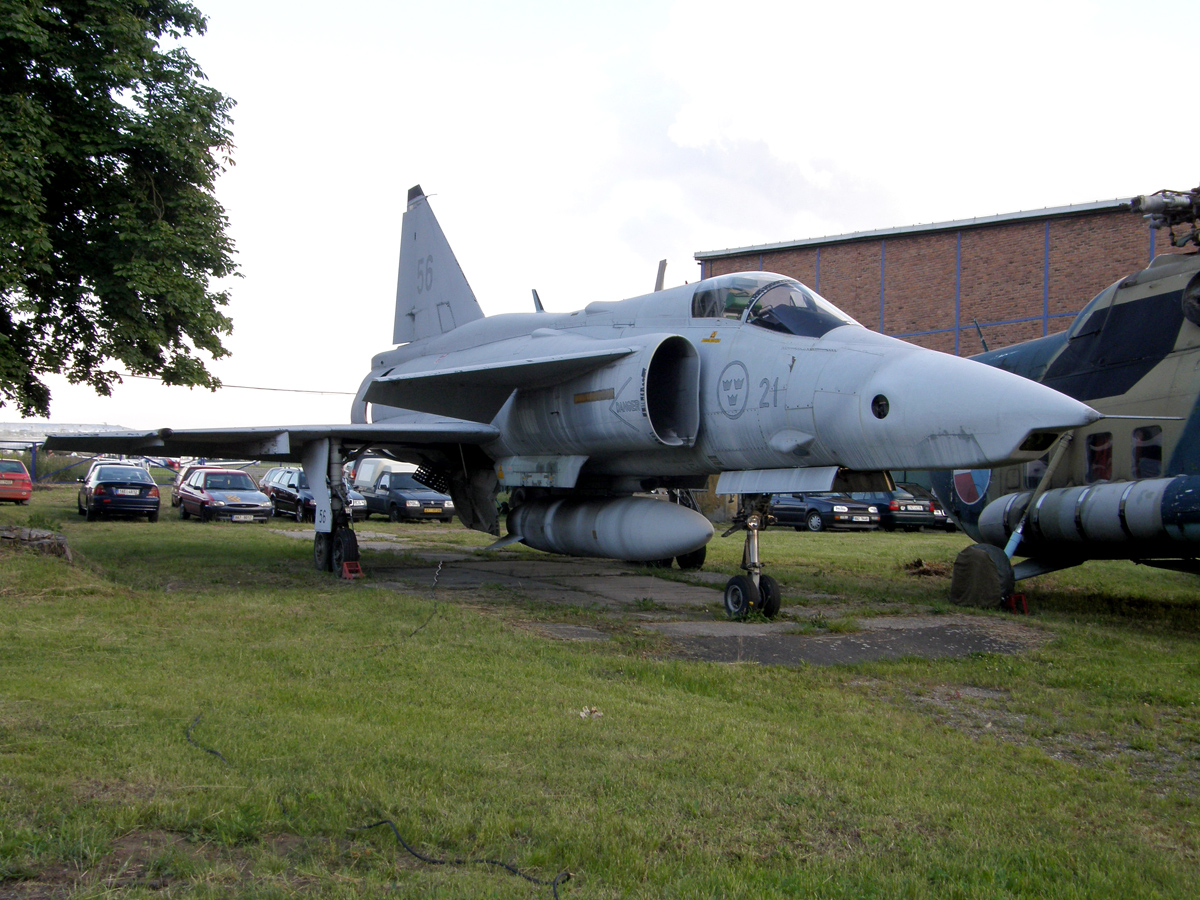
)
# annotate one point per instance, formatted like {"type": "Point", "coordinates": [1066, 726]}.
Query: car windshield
{"type": "Point", "coordinates": [405, 482]}
{"type": "Point", "coordinates": [123, 473]}
{"type": "Point", "coordinates": [228, 481]}
{"type": "Point", "coordinates": [12, 467]}
{"type": "Point", "coordinates": [882, 497]}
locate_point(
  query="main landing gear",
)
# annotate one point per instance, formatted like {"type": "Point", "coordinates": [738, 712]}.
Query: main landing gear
{"type": "Point", "coordinates": [754, 591]}
{"type": "Point", "coordinates": [338, 545]}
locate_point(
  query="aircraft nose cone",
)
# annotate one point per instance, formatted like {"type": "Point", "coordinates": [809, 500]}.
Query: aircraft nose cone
{"type": "Point", "coordinates": [930, 410]}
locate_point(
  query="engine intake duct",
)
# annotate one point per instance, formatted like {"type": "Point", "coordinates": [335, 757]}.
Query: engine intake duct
{"type": "Point", "coordinates": [646, 400]}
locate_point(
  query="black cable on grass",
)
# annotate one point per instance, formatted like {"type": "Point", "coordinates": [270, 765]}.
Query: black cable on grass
{"type": "Point", "coordinates": [560, 878]}
{"type": "Point", "coordinates": [215, 753]}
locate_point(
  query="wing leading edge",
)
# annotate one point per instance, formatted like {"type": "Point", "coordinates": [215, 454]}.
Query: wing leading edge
{"type": "Point", "coordinates": [278, 444]}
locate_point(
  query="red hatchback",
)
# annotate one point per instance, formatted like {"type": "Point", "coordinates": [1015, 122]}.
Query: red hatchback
{"type": "Point", "coordinates": [14, 481]}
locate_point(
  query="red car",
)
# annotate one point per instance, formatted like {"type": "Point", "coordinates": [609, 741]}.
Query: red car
{"type": "Point", "coordinates": [223, 494]}
{"type": "Point", "coordinates": [14, 481]}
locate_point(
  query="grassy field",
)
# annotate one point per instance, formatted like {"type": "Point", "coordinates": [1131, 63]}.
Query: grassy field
{"type": "Point", "coordinates": [191, 710]}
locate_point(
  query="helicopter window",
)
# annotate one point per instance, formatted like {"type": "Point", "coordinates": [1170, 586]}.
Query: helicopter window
{"type": "Point", "coordinates": [1099, 457]}
{"type": "Point", "coordinates": [1035, 470]}
{"type": "Point", "coordinates": [790, 307]}
{"type": "Point", "coordinates": [1093, 317]}
{"type": "Point", "coordinates": [1147, 452]}
{"type": "Point", "coordinates": [727, 296]}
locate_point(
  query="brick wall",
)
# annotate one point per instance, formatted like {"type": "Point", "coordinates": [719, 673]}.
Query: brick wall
{"type": "Point", "coordinates": [1004, 269]}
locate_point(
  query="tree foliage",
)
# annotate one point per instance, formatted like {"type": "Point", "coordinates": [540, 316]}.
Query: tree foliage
{"type": "Point", "coordinates": [110, 232]}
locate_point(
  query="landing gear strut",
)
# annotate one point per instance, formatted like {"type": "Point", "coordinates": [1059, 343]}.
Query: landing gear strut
{"type": "Point", "coordinates": [334, 542]}
{"type": "Point", "coordinates": [753, 591]}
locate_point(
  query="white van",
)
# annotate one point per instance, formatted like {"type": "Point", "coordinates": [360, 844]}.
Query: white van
{"type": "Point", "coordinates": [369, 468]}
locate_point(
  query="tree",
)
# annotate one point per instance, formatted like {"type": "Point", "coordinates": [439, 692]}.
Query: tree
{"type": "Point", "coordinates": [110, 147]}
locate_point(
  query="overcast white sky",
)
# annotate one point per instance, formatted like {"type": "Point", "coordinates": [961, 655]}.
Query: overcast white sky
{"type": "Point", "coordinates": [568, 147]}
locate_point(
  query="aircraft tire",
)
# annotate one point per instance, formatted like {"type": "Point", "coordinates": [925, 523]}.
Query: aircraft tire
{"type": "Point", "coordinates": [689, 562]}
{"type": "Point", "coordinates": [741, 596]}
{"type": "Point", "coordinates": [344, 549]}
{"type": "Point", "coordinates": [772, 598]}
{"type": "Point", "coordinates": [814, 522]}
{"type": "Point", "coordinates": [323, 552]}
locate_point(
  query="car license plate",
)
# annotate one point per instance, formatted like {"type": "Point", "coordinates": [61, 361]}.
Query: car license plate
{"type": "Point", "coordinates": [862, 518]}
{"type": "Point", "coordinates": [242, 517]}
{"type": "Point", "coordinates": [128, 492]}
{"type": "Point", "coordinates": [432, 511]}
{"type": "Point", "coordinates": [5, 481]}
{"type": "Point", "coordinates": [914, 509]}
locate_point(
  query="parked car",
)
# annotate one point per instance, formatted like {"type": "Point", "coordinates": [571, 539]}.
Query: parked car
{"type": "Point", "coordinates": [400, 497]}
{"type": "Point", "coordinates": [118, 489]}
{"type": "Point", "coordinates": [210, 493]}
{"type": "Point", "coordinates": [289, 493]}
{"type": "Point", "coordinates": [820, 510]}
{"type": "Point", "coordinates": [900, 509]}
{"type": "Point", "coordinates": [15, 484]}
{"type": "Point", "coordinates": [362, 473]}
{"type": "Point", "coordinates": [941, 520]}
{"type": "Point", "coordinates": [184, 474]}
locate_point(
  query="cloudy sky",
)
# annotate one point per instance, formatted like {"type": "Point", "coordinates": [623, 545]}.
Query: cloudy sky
{"type": "Point", "coordinates": [568, 147]}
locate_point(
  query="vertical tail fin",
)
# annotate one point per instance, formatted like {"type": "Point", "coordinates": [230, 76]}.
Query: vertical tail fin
{"type": "Point", "coordinates": [432, 294]}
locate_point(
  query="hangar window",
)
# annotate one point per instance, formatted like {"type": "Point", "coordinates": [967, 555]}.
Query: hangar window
{"type": "Point", "coordinates": [1099, 457]}
{"type": "Point", "coordinates": [1147, 452]}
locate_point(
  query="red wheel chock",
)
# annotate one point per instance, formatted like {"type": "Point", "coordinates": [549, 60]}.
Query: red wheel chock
{"type": "Point", "coordinates": [1016, 603]}
{"type": "Point", "coordinates": [352, 570]}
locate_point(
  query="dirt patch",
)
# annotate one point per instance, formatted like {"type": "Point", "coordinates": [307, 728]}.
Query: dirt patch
{"type": "Point", "coordinates": [1168, 766]}
{"type": "Point", "coordinates": [778, 643]}
{"type": "Point", "coordinates": [686, 612]}
{"type": "Point", "coordinates": [156, 861]}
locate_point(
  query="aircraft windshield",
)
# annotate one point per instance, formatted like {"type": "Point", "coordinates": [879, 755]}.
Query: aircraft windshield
{"type": "Point", "coordinates": [790, 307]}
{"type": "Point", "coordinates": [774, 302]}
{"type": "Point", "coordinates": [727, 296]}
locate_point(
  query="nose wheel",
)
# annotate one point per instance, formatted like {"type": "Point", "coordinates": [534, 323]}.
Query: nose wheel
{"type": "Point", "coordinates": [754, 591]}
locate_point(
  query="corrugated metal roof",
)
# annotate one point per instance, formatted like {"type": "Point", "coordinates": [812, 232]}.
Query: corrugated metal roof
{"type": "Point", "coordinates": [1049, 213]}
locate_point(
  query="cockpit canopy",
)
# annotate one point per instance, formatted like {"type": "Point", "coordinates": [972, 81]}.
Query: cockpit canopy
{"type": "Point", "coordinates": [769, 301]}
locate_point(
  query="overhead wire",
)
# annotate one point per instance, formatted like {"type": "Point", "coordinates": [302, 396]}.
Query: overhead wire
{"type": "Point", "coordinates": [244, 387]}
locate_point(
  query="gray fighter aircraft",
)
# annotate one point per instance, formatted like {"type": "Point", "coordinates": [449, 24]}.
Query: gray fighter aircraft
{"type": "Point", "coordinates": [750, 376]}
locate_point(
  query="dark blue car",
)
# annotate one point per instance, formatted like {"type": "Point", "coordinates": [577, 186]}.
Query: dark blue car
{"type": "Point", "coordinates": [823, 510]}
{"type": "Point", "coordinates": [118, 490]}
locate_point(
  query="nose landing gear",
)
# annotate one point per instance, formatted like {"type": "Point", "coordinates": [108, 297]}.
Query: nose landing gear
{"type": "Point", "coordinates": [754, 591]}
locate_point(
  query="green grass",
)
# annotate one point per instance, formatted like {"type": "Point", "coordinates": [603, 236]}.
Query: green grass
{"type": "Point", "coordinates": [1071, 770]}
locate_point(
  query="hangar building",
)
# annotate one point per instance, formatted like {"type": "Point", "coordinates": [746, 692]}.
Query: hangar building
{"type": "Point", "coordinates": [1020, 276]}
